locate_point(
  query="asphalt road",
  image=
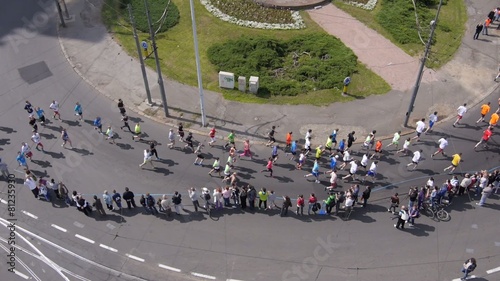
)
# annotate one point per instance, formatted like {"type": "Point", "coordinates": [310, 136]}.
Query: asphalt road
{"type": "Point", "coordinates": [241, 246]}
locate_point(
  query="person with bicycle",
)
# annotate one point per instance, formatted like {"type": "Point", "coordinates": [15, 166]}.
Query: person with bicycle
{"type": "Point", "coordinates": [414, 213]}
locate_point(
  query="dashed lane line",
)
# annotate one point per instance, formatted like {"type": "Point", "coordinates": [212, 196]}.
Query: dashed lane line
{"type": "Point", "coordinates": [468, 277]}
{"type": "Point", "coordinates": [21, 274]}
{"type": "Point", "coordinates": [29, 214]}
{"type": "Point", "coordinates": [59, 228]}
{"type": "Point", "coordinates": [169, 267]}
{"type": "Point", "coordinates": [233, 280]}
{"type": "Point", "coordinates": [108, 248]}
{"type": "Point", "coordinates": [135, 258]}
{"type": "Point", "coordinates": [493, 270]}
{"type": "Point", "coordinates": [85, 238]}
{"type": "Point", "coordinates": [203, 275]}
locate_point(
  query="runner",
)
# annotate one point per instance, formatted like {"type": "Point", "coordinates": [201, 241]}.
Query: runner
{"type": "Point", "coordinates": [433, 118]}
{"type": "Point", "coordinates": [171, 138]}
{"type": "Point", "coordinates": [485, 108]}
{"type": "Point", "coordinates": [152, 150]}
{"type": "Point", "coordinates": [454, 163]}
{"type": "Point", "coordinates": [372, 172]}
{"type": "Point", "coordinates": [494, 119]}
{"type": "Point", "coordinates": [319, 151]}
{"type": "Point", "coordinates": [65, 138]}
{"type": "Point", "coordinates": [199, 156]}
{"type": "Point", "coordinates": [230, 140]}
{"type": "Point", "coordinates": [307, 146]}
{"type": "Point", "coordinates": [78, 111]}
{"type": "Point", "coordinates": [341, 147]}
{"type": "Point", "coordinates": [329, 144]}
{"type": "Point", "coordinates": [302, 159]}
{"type": "Point", "coordinates": [125, 123]}
{"type": "Point", "coordinates": [346, 159]}
{"type": "Point", "coordinates": [227, 172]}
{"type": "Point", "coordinates": [26, 151]}
{"type": "Point", "coordinates": [443, 142]}
{"type": "Point", "coordinates": [180, 132]}
{"type": "Point", "coordinates": [215, 167]}
{"type": "Point", "coordinates": [121, 107]}
{"type": "Point", "coordinates": [350, 139]}
{"type": "Point", "coordinates": [334, 137]}
{"type": "Point", "coordinates": [415, 159]}
{"type": "Point", "coordinates": [419, 129]}
{"type": "Point", "coordinates": [364, 161]}
{"type": "Point", "coordinates": [395, 140]}
{"type": "Point", "coordinates": [21, 160]}
{"type": "Point", "coordinates": [231, 158]}
{"type": "Point", "coordinates": [41, 115]}
{"type": "Point", "coordinates": [461, 110]}
{"type": "Point", "coordinates": [378, 149]}
{"type": "Point", "coordinates": [485, 138]}
{"type": "Point", "coordinates": [32, 123]}
{"type": "Point", "coordinates": [352, 171]}
{"type": "Point", "coordinates": [29, 108]}
{"type": "Point", "coordinates": [98, 124]}
{"type": "Point", "coordinates": [147, 159]}
{"type": "Point", "coordinates": [137, 132]}
{"type": "Point", "coordinates": [246, 149]}
{"type": "Point", "coordinates": [37, 140]}
{"type": "Point", "coordinates": [189, 141]}
{"type": "Point", "coordinates": [274, 153]}
{"type": "Point", "coordinates": [270, 135]}
{"type": "Point", "coordinates": [211, 134]}
{"type": "Point", "coordinates": [406, 145]}
{"type": "Point", "coordinates": [293, 150]}
{"type": "Point", "coordinates": [269, 167]}
{"type": "Point", "coordinates": [288, 140]}
{"type": "Point", "coordinates": [55, 107]}
{"type": "Point", "coordinates": [314, 172]}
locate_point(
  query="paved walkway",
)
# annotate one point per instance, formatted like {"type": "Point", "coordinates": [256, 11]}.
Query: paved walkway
{"type": "Point", "coordinates": [103, 64]}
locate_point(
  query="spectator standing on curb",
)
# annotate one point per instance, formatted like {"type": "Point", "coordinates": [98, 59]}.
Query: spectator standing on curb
{"type": "Point", "coordinates": [300, 205]}
{"type": "Point", "coordinates": [150, 201]}
{"type": "Point", "coordinates": [263, 196]}
{"type": "Point", "coordinates": [414, 213]}
{"type": "Point", "coordinates": [461, 110]}
{"type": "Point", "coordinates": [97, 204]}
{"type": "Point", "coordinates": [252, 195]}
{"type": "Point", "coordinates": [129, 198]}
{"type": "Point", "coordinates": [312, 204]}
{"type": "Point", "coordinates": [402, 218]}
{"type": "Point", "coordinates": [479, 28]}
{"type": "Point", "coordinates": [468, 266]}
{"type": "Point", "coordinates": [177, 200]}
{"type": "Point", "coordinates": [118, 199]}
{"type": "Point", "coordinates": [287, 203]}
{"type": "Point", "coordinates": [243, 197]}
{"type": "Point", "coordinates": [63, 193]}
{"type": "Point", "coordinates": [487, 191]}
{"type": "Point", "coordinates": [144, 204]}
{"type": "Point", "coordinates": [330, 202]}
{"type": "Point", "coordinates": [394, 203]}
{"type": "Point", "coordinates": [108, 200]}
{"type": "Point", "coordinates": [366, 195]}
{"type": "Point", "coordinates": [271, 199]}
{"type": "Point", "coordinates": [193, 195]}
{"type": "Point", "coordinates": [83, 206]}
{"type": "Point", "coordinates": [487, 23]}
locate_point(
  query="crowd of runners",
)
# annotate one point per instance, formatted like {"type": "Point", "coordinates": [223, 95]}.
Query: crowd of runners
{"type": "Point", "coordinates": [361, 167]}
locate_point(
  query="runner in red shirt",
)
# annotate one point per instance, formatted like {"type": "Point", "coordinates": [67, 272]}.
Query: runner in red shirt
{"type": "Point", "coordinates": [212, 136]}
{"type": "Point", "coordinates": [486, 137]}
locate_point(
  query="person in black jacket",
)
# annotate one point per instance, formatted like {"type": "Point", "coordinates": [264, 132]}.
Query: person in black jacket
{"type": "Point", "coordinates": [468, 266]}
{"type": "Point", "coordinates": [366, 195]}
{"type": "Point", "coordinates": [129, 198]}
{"type": "Point", "coordinates": [177, 200]}
{"type": "Point", "coordinates": [252, 195]}
{"type": "Point", "coordinates": [243, 197]}
{"type": "Point", "coordinates": [479, 28]}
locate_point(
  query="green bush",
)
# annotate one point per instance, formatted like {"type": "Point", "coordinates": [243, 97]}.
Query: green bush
{"type": "Point", "coordinates": [303, 64]}
{"type": "Point", "coordinates": [156, 9]}
{"type": "Point", "coordinates": [398, 18]}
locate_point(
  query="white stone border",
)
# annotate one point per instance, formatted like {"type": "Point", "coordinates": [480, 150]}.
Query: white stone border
{"type": "Point", "coordinates": [298, 24]}
{"type": "Point", "coordinates": [368, 6]}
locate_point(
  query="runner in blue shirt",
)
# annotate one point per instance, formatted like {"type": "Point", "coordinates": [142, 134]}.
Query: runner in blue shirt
{"type": "Point", "coordinates": [41, 117]}
{"type": "Point", "coordinates": [21, 160]}
{"type": "Point", "coordinates": [98, 124]}
{"type": "Point", "coordinates": [341, 147]}
{"type": "Point", "coordinates": [314, 172]}
{"type": "Point", "coordinates": [293, 150]}
{"type": "Point", "coordinates": [78, 110]}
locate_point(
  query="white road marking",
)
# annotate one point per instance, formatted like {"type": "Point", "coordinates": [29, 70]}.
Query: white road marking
{"type": "Point", "coordinates": [110, 226]}
{"type": "Point", "coordinates": [469, 251]}
{"type": "Point", "coordinates": [108, 248]}
{"type": "Point", "coordinates": [169, 267]}
{"type": "Point", "coordinates": [84, 238]}
{"type": "Point", "coordinates": [59, 228]}
{"type": "Point", "coordinates": [21, 274]}
{"type": "Point", "coordinates": [3, 201]}
{"type": "Point", "coordinates": [29, 214]}
{"type": "Point", "coordinates": [468, 277]}
{"type": "Point", "coordinates": [77, 224]}
{"type": "Point", "coordinates": [493, 270]}
{"type": "Point", "coordinates": [233, 280]}
{"type": "Point", "coordinates": [203, 275]}
{"type": "Point", "coordinates": [135, 258]}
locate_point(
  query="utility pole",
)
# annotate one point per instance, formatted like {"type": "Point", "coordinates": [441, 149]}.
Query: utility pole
{"type": "Point", "coordinates": [422, 64]}
{"type": "Point", "coordinates": [141, 60]}
{"type": "Point", "coordinates": [198, 66]}
{"type": "Point", "coordinates": [65, 9]}
{"type": "Point", "coordinates": [158, 69]}
{"type": "Point", "coordinates": [60, 13]}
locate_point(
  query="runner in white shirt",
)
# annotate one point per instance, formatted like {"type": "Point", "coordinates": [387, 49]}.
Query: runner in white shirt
{"type": "Point", "coordinates": [420, 128]}
{"type": "Point", "coordinates": [364, 161]}
{"type": "Point", "coordinates": [415, 159]}
{"type": "Point", "coordinates": [147, 158]}
{"type": "Point", "coordinates": [171, 138]}
{"type": "Point", "coordinates": [433, 118]}
{"type": "Point", "coordinates": [352, 171]}
{"type": "Point", "coordinates": [55, 106]}
{"type": "Point", "coordinates": [302, 159]}
{"type": "Point", "coordinates": [333, 180]}
{"type": "Point", "coordinates": [346, 159]}
{"type": "Point", "coordinates": [372, 172]}
{"type": "Point", "coordinates": [26, 151]}
{"type": "Point", "coordinates": [37, 140]}
{"type": "Point", "coordinates": [307, 146]}
{"type": "Point", "coordinates": [442, 144]}
{"type": "Point", "coordinates": [461, 110]}
{"type": "Point", "coordinates": [406, 145]}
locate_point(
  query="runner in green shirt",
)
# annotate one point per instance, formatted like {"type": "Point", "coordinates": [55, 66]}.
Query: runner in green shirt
{"type": "Point", "coordinates": [230, 139]}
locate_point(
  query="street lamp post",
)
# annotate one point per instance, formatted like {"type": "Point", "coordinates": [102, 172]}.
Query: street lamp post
{"type": "Point", "coordinates": [198, 66]}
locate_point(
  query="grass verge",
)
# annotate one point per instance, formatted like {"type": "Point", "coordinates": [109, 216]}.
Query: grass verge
{"type": "Point", "coordinates": [176, 51]}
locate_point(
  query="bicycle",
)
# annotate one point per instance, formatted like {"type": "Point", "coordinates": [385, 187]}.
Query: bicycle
{"type": "Point", "coordinates": [436, 212]}
{"type": "Point", "coordinates": [209, 207]}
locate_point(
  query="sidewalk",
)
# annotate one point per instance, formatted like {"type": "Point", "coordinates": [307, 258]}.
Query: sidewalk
{"type": "Point", "coordinates": [104, 65]}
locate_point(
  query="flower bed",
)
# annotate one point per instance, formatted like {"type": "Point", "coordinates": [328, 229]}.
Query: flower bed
{"type": "Point", "coordinates": [249, 14]}
{"type": "Point", "coordinates": [363, 4]}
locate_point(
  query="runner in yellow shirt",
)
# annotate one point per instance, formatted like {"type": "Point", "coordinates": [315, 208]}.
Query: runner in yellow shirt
{"type": "Point", "coordinates": [485, 108]}
{"type": "Point", "coordinates": [454, 162]}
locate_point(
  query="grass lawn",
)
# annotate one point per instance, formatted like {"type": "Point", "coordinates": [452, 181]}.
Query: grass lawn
{"type": "Point", "coordinates": [176, 51]}
{"type": "Point", "coordinates": [449, 31]}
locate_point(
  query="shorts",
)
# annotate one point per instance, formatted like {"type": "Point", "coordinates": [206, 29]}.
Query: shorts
{"type": "Point", "coordinates": [316, 174]}
{"type": "Point", "coordinates": [459, 117]}
{"type": "Point", "coordinates": [301, 162]}
{"type": "Point", "coordinates": [181, 134]}
{"type": "Point", "coordinates": [370, 173]}
{"type": "Point", "coordinates": [333, 185]}
{"type": "Point", "coordinates": [378, 150]}
{"type": "Point", "coordinates": [272, 139]}
{"type": "Point", "coordinates": [482, 115]}
{"type": "Point", "coordinates": [274, 156]}
{"type": "Point", "coordinates": [190, 144]}
{"type": "Point", "coordinates": [439, 150]}
{"type": "Point", "coordinates": [217, 169]}
{"type": "Point", "coordinates": [212, 139]}
{"type": "Point", "coordinates": [454, 166]}
{"type": "Point", "coordinates": [415, 162]}
{"type": "Point", "coordinates": [200, 156]}
{"type": "Point", "coordinates": [431, 123]}
{"type": "Point", "coordinates": [418, 134]}
{"type": "Point", "coordinates": [294, 153]}
{"type": "Point", "coordinates": [29, 154]}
